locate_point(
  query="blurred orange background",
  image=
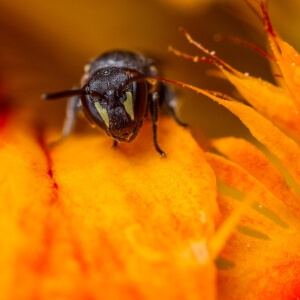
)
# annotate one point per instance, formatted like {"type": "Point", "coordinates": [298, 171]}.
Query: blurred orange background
{"type": "Point", "coordinates": [45, 44]}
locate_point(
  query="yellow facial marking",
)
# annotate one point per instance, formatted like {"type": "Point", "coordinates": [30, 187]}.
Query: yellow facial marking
{"type": "Point", "coordinates": [103, 113]}
{"type": "Point", "coordinates": [128, 105]}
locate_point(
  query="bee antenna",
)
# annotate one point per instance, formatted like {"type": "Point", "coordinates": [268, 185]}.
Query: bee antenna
{"type": "Point", "coordinates": [134, 79]}
{"type": "Point", "coordinates": [62, 94]}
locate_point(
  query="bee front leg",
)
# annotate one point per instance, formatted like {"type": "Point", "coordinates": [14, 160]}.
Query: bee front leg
{"type": "Point", "coordinates": [169, 96]}
{"type": "Point", "coordinates": [154, 98]}
{"type": "Point", "coordinates": [72, 108]}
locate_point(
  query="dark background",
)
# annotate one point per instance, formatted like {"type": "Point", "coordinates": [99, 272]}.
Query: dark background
{"type": "Point", "coordinates": [45, 44]}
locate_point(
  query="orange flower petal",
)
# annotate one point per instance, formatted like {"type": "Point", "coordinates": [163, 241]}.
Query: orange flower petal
{"type": "Point", "coordinates": [89, 221]}
{"type": "Point", "coordinates": [269, 100]}
{"type": "Point", "coordinates": [256, 163]}
{"type": "Point", "coordinates": [235, 177]}
{"type": "Point", "coordinates": [261, 260]}
{"type": "Point", "coordinates": [283, 147]}
{"type": "Point", "coordinates": [26, 192]}
{"type": "Point", "coordinates": [286, 149]}
{"type": "Point", "coordinates": [288, 60]}
{"type": "Point", "coordinates": [261, 268]}
{"type": "Point", "coordinates": [277, 225]}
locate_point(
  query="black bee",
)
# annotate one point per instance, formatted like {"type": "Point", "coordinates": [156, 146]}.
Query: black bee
{"type": "Point", "coordinates": [117, 90]}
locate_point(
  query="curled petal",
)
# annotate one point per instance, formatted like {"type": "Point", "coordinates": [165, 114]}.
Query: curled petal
{"type": "Point", "coordinates": [288, 60]}
{"type": "Point", "coordinates": [261, 268]}
{"type": "Point", "coordinates": [269, 100]}
{"type": "Point", "coordinates": [256, 163]}
{"type": "Point", "coordinates": [235, 177]}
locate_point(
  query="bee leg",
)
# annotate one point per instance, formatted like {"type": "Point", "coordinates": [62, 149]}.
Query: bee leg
{"type": "Point", "coordinates": [154, 116]}
{"type": "Point", "coordinates": [72, 108]}
{"type": "Point", "coordinates": [170, 98]}
{"type": "Point", "coordinates": [115, 144]}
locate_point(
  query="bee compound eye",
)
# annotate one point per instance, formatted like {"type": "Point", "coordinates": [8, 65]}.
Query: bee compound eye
{"type": "Point", "coordinates": [95, 112]}
{"type": "Point", "coordinates": [140, 100]}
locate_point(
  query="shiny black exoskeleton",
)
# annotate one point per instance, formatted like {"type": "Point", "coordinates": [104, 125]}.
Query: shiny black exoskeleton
{"type": "Point", "coordinates": [117, 90]}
